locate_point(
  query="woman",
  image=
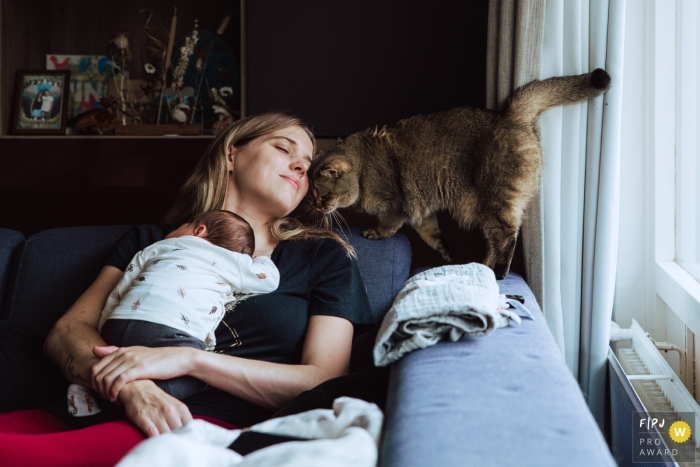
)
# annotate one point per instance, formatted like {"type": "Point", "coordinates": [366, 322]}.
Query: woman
{"type": "Point", "coordinates": [270, 347]}
{"type": "Point", "coordinates": [35, 108]}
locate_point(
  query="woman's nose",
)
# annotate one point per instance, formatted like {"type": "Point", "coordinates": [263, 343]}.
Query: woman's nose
{"type": "Point", "coordinates": [301, 166]}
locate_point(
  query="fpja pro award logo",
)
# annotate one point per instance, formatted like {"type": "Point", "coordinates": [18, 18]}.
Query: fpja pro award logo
{"type": "Point", "coordinates": [664, 437]}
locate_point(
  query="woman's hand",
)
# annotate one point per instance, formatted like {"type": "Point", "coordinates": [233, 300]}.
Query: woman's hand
{"type": "Point", "coordinates": [153, 411]}
{"type": "Point", "coordinates": [72, 338]}
{"type": "Point", "coordinates": [119, 366]}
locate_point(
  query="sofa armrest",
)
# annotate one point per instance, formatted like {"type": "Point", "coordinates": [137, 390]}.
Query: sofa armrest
{"type": "Point", "coordinates": [504, 399]}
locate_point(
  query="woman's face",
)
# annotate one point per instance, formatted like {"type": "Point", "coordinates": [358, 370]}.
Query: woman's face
{"type": "Point", "coordinates": [269, 174]}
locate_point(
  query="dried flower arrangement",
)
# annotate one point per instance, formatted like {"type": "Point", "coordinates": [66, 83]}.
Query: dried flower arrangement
{"type": "Point", "coordinates": [188, 85]}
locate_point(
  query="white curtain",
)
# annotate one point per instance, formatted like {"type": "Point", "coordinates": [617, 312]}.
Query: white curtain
{"type": "Point", "coordinates": [580, 187]}
{"type": "Point", "coordinates": [570, 230]}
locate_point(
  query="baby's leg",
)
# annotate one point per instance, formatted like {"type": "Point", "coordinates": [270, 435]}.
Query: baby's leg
{"type": "Point", "coordinates": [128, 332]}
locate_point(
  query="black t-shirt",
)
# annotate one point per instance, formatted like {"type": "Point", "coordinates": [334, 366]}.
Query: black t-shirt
{"type": "Point", "coordinates": [316, 278]}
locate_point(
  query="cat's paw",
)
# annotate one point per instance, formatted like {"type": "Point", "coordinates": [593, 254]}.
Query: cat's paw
{"type": "Point", "coordinates": [501, 270]}
{"type": "Point", "coordinates": [446, 249]}
{"type": "Point", "coordinates": [371, 234]}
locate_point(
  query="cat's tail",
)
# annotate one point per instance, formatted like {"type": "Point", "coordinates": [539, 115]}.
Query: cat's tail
{"type": "Point", "coordinates": [529, 101]}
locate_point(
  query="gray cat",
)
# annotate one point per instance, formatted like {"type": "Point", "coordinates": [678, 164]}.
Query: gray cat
{"type": "Point", "coordinates": [480, 165]}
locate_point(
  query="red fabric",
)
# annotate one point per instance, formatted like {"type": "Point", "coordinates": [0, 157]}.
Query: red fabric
{"type": "Point", "coordinates": [37, 438]}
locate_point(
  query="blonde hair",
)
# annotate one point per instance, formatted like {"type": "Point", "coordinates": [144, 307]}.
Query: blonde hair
{"type": "Point", "coordinates": [205, 189]}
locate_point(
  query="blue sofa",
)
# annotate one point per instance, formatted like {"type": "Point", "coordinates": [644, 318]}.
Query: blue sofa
{"type": "Point", "coordinates": [502, 400]}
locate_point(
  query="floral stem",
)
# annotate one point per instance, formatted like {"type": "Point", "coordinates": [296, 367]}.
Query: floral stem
{"type": "Point", "coordinates": [201, 80]}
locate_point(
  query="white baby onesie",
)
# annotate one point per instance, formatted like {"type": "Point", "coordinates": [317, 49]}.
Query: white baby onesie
{"type": "Point", "coordinates": [184, 283]}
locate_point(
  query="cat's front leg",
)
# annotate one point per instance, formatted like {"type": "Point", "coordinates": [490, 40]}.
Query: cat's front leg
{"type": "Point", "coordinates": [501, 239]}
{"type": "Point", "coordinates": [429, 231]}
{"type": "Point", "coordinates": [387, 227]}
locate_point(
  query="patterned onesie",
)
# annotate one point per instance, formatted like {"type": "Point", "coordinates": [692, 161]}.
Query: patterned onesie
{"type": "Point", "coordinates": [173, 294]}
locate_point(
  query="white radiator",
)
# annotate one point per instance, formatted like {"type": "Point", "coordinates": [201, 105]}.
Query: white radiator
{"type": "Point", "coordinates": [642, 381]}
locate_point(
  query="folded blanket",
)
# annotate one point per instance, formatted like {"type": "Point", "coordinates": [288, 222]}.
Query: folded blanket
{"type": "Point", "coordinates": [445, 302]}
{"type": "Point", "coordinates": [347, 436]}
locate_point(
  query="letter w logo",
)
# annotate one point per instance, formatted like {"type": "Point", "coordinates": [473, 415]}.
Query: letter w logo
{"type": "Point", "coordinates": [679, 431]}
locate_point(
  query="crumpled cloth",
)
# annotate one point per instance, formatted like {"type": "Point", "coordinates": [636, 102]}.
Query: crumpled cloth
{"type": "Point", "coordinates": [347, 436]}
{"type": "Point", "coordinates": [445, 302]}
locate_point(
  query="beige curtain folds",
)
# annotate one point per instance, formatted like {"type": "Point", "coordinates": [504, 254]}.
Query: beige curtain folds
{"type": "Point", "coordinates": [515, 32]}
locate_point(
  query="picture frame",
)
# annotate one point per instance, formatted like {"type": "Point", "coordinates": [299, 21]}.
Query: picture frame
{"type": "Point", "coordinates": [41, 102]}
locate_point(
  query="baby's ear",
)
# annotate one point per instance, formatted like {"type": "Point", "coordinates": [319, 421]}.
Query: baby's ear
{"type": "Point", "coordinates": [201, 231]}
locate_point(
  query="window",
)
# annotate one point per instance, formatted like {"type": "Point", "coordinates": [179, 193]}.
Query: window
{"type": "Point", "coordinates": [687, 136]}
{"type": "Point", "coordinates": [673, 116]}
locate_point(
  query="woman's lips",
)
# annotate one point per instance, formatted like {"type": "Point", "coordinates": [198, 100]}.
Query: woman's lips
{"type": "Point", "coordinates": [291, 180]}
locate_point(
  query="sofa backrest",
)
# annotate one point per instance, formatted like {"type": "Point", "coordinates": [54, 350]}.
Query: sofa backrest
{"type": "Point", "coordinates": [10, 240]}
{"type": "Point", "coordinates": [55, 266]}
{"type": "Point", "coordinates": [384, 265]}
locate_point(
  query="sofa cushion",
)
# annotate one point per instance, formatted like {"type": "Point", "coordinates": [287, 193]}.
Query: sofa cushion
{"type": "Point", "coordinates": [9, 241]}
{"type": "Point", "coordinates": [54, 268]}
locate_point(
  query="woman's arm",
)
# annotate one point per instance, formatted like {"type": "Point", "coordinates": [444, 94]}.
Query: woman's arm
{"type": "Point", "coordinates": [326, 354]}
{"type": "Point", "coordinates": [70, 344]}
{"type": "Point", "coordinates": [71, 340]}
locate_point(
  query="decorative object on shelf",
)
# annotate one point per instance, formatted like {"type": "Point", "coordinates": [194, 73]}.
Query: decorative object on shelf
{"type": "Point", "coordinates": [119, 53]}
{"type": "Point", "coordinates": [205, 63]}
{"type": "Point", "coordinates": [193, 80]}
{"type": "Point", "coordinates": [99, 120]}
{"type": "Point", "coordinates": [131, 89]}
{"type": "Point", "coordinates": [89, 78]}
{"type": "Point", "coordinates": [41, 102]}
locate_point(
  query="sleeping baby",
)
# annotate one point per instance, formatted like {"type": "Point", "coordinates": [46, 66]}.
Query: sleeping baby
{"type": "Point", "coordinates": [173, 293]}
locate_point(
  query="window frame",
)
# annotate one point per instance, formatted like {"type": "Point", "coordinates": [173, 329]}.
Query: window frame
{"type": "Point", "coordinates": [676, 171]}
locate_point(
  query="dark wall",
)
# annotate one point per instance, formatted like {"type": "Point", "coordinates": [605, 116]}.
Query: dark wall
{"type": "Point", "coordinates": [48, 183]}
{"type": "Point", "coordinates": [345, 66]}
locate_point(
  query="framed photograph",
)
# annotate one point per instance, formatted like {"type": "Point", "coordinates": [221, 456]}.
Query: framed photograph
{"type": "Point", "coordinates": [41, 102]}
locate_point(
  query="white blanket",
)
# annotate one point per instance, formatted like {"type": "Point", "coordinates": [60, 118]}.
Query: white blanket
{"type": "Point", "coordinates": [444, 302]}
{"type": "Point", "coordinates": [347, 436]}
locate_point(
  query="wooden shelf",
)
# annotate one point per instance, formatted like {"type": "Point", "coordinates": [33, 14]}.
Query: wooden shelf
{"type": "Point", "coordinates": [96, 137]}
{"type": "Point", "coordinates": [31, 29]}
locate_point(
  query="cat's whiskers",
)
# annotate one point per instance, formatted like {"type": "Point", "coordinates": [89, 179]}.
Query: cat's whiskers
{"type": "Point", "coordinates": [341, 220]}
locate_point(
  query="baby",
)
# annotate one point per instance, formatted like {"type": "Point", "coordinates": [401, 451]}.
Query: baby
{"type": "Point", "coordinates": [173, 293]}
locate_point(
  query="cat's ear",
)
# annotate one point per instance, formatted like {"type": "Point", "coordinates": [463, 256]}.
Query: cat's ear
{"type": "Point", "coordinates": [337, 167]}
{"type": "Point", "coordinates": [329, 173]}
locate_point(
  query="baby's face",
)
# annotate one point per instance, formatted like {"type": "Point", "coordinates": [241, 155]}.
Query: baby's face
{"type": "Point", "coordinates": [187, 229]}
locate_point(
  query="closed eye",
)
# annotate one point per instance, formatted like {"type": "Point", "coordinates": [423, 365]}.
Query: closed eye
{"type": "Point", "coordinates": [283, 149]}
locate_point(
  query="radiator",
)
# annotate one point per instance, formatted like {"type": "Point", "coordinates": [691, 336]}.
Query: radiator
{"type": "Point", "coordinates": [642, 381]}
